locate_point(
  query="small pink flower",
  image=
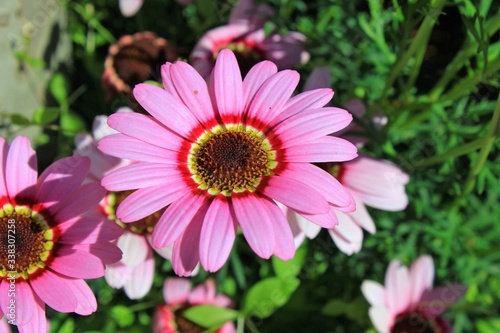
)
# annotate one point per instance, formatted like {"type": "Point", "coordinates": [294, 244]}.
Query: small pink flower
{"type": "Point", "coordinates": [245, 35]}
{"type": "Point", "coordinates": [135, 271]}
{"type": "Point", "coordinates": [220, 156]}
{"type": "Point", "coordinates": [371, 182]}
{"type": "Point", "coordinates": [407, 302]}
{"type": "Point", "coordinates": [59, 237]}
{"type": "Point", "coordinates": [179, 297]}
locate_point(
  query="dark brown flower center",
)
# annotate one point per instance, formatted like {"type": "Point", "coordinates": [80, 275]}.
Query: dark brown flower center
{"type": "Point", "coordinates": [141, 227]}
{"type": "Point", "coordinates": [414, 323]}
{"type": "Point", "coordinates": [230, 161]}
{"type": "Point", "coordinates": [24, 244]}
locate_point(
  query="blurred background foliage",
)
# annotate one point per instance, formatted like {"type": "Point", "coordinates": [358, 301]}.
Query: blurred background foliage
{"type": "Point", "coordinates": [431, 66]}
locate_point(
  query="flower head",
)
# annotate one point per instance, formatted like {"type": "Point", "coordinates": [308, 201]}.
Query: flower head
{"type": "Point", "coordinates": [220, 156]}
{"type": "Point", "coordinates": [178, 298]}
{"type": "Point", "coordinates": [245, 35]}
{"type": "Point", "coordinates": [58, 238]}
{"type": "Point", "coordinates": [135, 271]}
{"type": "Point", "coordinates": [408, 303]}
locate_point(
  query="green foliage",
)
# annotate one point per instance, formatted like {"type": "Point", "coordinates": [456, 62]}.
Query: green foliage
{"type": "Point", "coordinates": [210, 316]}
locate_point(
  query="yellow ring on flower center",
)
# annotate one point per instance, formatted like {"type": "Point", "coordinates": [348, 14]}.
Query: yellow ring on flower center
{"type": "Point", "coordinates": [231, 159]}
{"type": "Point", "coordinates": [26, 241]}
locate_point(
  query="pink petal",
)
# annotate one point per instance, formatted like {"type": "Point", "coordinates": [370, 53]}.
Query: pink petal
{"type": "Point", "coordinates": [328, 220]}
{"type": "Point", "coordinates": [145, 128]}
{"type": "Point", "coordinates": [310, 125]}
{"type": "Point", "coordinates": [23, 297]}
{"type": "Point", "coordinates": [4, 149]}
{"type": "Point", "coordinates": [166, 79]}
{"type": "Point", "coordinates": [38, 322]}
{"type": "Point", "coordinates": [322, 182]}
{"type": "Point", "coordinates": [374, 292]}
{"type": "Point", "coordinates": [422, 277]}
{"type": "Point", "coordinates": [135, 248]}
{"type": "Point", "coordinates": [141, 279]}
{"type": "Point", "coordinates": [397, 285]}
{"type": "Point", "coordinates": [87, 303]}
{"type": "Point", "coordinates": [362, 217]}
{"type": "Point", "coordinates": [123, 146]}
{"type": "Point", "coordinates": [88, 230]}
{"type": "Point", "coordinates": [21, 170]}
{"type": "Point", "coordinates": [166, 108]}
{"type": "Point", "coordinates": [217, 234]}
{"type": "Point", "coordinates": [310, 230]}
{"type": "Point", "coordinates": [272, 96]}
{"type": "Point", "coordinates": [295, 194]}
{"type": "Point", "coordinates": [108, 253]}
{"type": "Point", "coordinates": [60, 180]}
{"type": "Point", "coordinates": [176, 290]}
{"type": "Point", "coordinates": [55, 291]}
{"type": "Point", "coordinates": [202, 294]}
{"type": "Point", "coordinates": [227, 85]}
{"type": "Point", "coordinates": [256, 223]}
{"type": "Point", "coordinates": [436, 301]}
{"type": "Point", "coordinates": [305, 101]}
{"type": "Point", "coordinates": [347, 235]}
{"type": "Point", "coordinates": [284, 243]}
{"type": "Point", "coordinates": [222, 300]}
{"type": "Point", "coordinates": [129, 8]}
{"type": "Point", "coordinates": [192, 91]}
{"type": "Point", "coordinates": [254, 79]}
{"type": "Point", "coordinates": [381, 319]}
{"type": "Point", "coordinates": [325, 149]}
{"type": "Point", "coordinates": [176, 218]}
{"type": "Point", "coordinates": [77, 264]}
{"type": "Point", "coordinates": [149, 200]}
{"type": "Point", "coordinates": [286, 51]}
{"type": "Point", "coordinates": [247, 12]}
{"type": "Point", "coordinates": [118, 274]}
{"type": "Point", "coordinates": [87, 196]}
{"type": "Point", "coordinates": [319, 78]}
{"type": "Point", "coordinates": [100, 163]}
{"type": "Point", "coordinates": [100, 127]}
{"type": "Point", "coordinates": [140, 175]}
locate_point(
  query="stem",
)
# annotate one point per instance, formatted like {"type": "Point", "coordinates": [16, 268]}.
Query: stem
{"type": "Point", "coordinates": [418, 42]}
{"type": "Point", "coordinates": [483, 154]}
{"type": "Point", "coordinates": [240, 324]}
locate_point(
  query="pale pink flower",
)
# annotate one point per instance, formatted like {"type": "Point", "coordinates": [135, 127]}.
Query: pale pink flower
{"type": "Point", "coordinates": [179, 297]}
{"type": "Point", "coordinates": [60, 236]}
{"type": "Point", "coordinates": [129, 8]}
{"type": "Point", "coordinates": [221, 156]}
{"type": "Point", "coordinates": [244, 34]}
{"type": "Point", "coordinates": [408, 303]}
{"type": "Point", "coordinates": [135, 271]}
{"type": "Point", "coordinates": [371, 182]}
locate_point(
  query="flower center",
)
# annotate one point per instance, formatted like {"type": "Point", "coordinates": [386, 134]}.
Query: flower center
{"type": "Point", "coordinates": [230, 160]}
{"type": "Point", "coordinates": [141, 227]}
{"type": "Point", "coordinates": [26, 242]}
{"type": "Point", "coordinates": [414, 323]}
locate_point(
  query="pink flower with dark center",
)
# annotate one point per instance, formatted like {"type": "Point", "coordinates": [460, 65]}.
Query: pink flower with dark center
{"type": "Point", "coordinates": [222, 156]}
{"type": "Point", "coordinates": [372, 182]}
{"type": "Point", "coordinates": [135, 271]}
{"type": "Point", "coordinates": [179, 297]}
{"type": "Point", "coordinates": [52, 236]}
{"type": "Point", "coordinates": [245, 35]}
{"type": "Point", "coordinates": [408, 303]}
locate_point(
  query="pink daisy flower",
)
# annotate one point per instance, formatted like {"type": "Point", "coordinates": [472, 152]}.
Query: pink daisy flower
{"type": "Point", "coordinates": [135, 271]}
{"type": "Point", "coordinates": [408, 303]}
{"type": "Point", "coordinates": [53, 236]}
{"type": "Point", "coordinates": [179, 297]}
{"type": "Point", "coordinates": [245, 35]}
{"type": "Point", "coordinates": [221, 156]}
{"type": "Point", "coordinates": [371, 182]}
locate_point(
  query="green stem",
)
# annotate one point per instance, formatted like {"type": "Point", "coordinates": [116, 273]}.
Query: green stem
{"type": "Point", "coordinates": [240, 324]}
{"type": "Point", "coordinates": [458, 151]}
{"type": "Point", "coordinates": [489, 140]}
{"type": "Point", "coordinates": [417, 43]}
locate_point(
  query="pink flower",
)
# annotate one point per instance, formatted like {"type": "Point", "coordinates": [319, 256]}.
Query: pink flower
{"type": "Point", "coordinates": [245, 36]}
{"type": "Point", "coordinates": [179, 297]}
{"type": "Point", "coordinates": [135, 271]}
{"type": "Point", "coordinates": [372, 182]}
{"type": "Point", "coordinates": [407, 302]}
{"type": "Point", "coordinates": [221, 156]}
{"type": "Point", "coordinates": [53, 236]}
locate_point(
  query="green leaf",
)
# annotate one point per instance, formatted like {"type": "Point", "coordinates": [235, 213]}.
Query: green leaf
{"type": "Point", "coordinates": [292, 267]}
{"type": "Point", "coordinates": [268, 295]}
{"type": "Point", "coordinates": [19, 119]}
{"type": "Point", "coordinates": [68, 326]}
{"type": "Point", "coordinates": [58, 88]}
{"type": "Point", "coordinates": [210, 316]}
{"type": "Point", "coordinates": [71, 123]}
{"type": "Point", "coordinates": [334, 308]}
{"type": "Point", "coordinates": [122, 315]}
{"type": "Point", "coordinates": [43, 116]}
{"type": "Point", "coordinates": [488, 326]}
